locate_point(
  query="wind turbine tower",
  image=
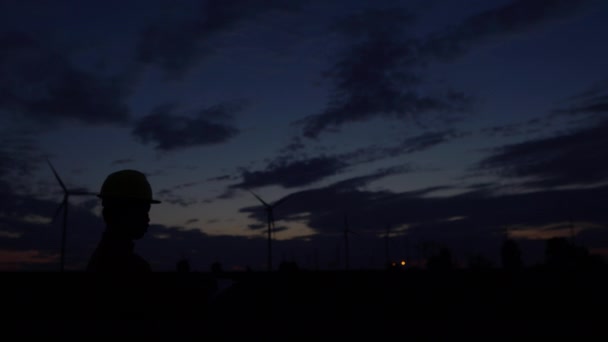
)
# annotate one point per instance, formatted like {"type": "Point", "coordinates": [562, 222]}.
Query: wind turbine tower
{"type": "Point", "coordinates": [270, 218]}
{"type": "Point", "coordinates": [346, 232]}
{"type": "Point", "coordinates": [64, 205]}
{"type": "Point", "coordinates": [387, 245]}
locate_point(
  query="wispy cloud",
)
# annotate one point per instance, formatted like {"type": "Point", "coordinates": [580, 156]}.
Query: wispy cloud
{"type": "Point", "coordinates": [516, 17]}
{"type": "Point", "coordinates": [292, 173]}
{"type": "Point", "coordinates": [531, 126]}
{"type": "Point", "coordinates": [574, 158]}
{"type": "Point", "coordinates": [593, 101]}
{"type": "Point", "coordinates": [170, 131]}
{"type": "Point", "coordinates": [122, 161]}
{"type": "Point", "coordinates": [190, 221]}
{"type": "Point", "coordinates": [418, 143]}
{"type": "Point", "coordinates": [45, 86]}
{"type": "Point", "coordinates": [32, 245]}
{"type": "Point", "coordinates": [289, 171]}
{"type": "Point", "coordinates": [20, 152]}
{"type": "Point", "coordinates": [473, 221]}
{"type": "Point", "coordinates": [375, 77]}
{"type": "Point", "coordinates": [382, 73]}
{"type": "Point", "coordinates": [178, 42]}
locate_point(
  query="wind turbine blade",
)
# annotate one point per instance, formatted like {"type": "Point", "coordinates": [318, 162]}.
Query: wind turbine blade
{"type": "Point", "coordinates": [258, 197]}
{"type": "Point", "coordinates": [57, 176]}
{"type": "Point", "coordinates": [282, 200]}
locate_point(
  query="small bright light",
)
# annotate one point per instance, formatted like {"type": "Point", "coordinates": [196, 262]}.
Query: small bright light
{"type": "Point", "coordinates": [402, 262]}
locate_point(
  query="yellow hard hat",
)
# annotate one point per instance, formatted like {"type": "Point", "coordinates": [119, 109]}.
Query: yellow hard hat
{"type": "Point", "coordinates": [128, 184]}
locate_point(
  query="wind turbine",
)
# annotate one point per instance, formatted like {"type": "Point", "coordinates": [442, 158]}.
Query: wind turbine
{"type": "Point", "coordinates": [387, 244]}
{"type": "Point", "coordinates": [270, 218]}
{"type": "Point", "coordinates": [346, 231]}
{"type": "Point", "coordinates": [64, 205]}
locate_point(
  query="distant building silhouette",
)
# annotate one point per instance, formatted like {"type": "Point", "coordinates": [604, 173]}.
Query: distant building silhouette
{"type": "Point", "coordinates": [510, 255]}
{"type": "Point", "coordinates": [562, 254]}
{"type": "Point", "coordinates": [441, 261]}
{"type": "Point", "coordinates": [478, 262]}
{"type": "Point", "coordinates": [216, 268]}
{"type": "Point", "coordinates": [288, 266]}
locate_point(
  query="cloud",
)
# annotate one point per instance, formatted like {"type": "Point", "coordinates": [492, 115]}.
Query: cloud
{"type": "Point", "coordinates": [180, 41]}
{"type": "Point", "coordinates": [564, 158]}
{"type": "Point", "coordinates": [122, 161]}
{"type": "Point", "coordinates": [574, 158]}
{"type": "Point", "coordinates": [43, 85]}
{"type": "Point", "coordinates": [337, 199]}
{"type": "Point", "coordinates": [592, 102]}
{"type": "Point", "coordinates": [30, 244]}
{"type": "Point", "coordinates": [531, 126]}
{"type": "Point", "coordinates": [418, 143]}
{"type": "Point", "coordinates": [193, 220]}
{"type": "Point", "coordinates": [596, 105]}
{"type": "Point", "coordinates": [517, 17]}
{"type": "Point", "coordinates": [291, 174]}
{"type": "Point", "coordinates": [295, 146]}
{"type": "Point", "coordinates": [171, 132]}
{"type": "Point", "coordinates": [169, 196]}
{"type": "Point", "coordinates": [19, 152]}
{"type": "Point", "coordinates": [221, 178]}
{"type": "Point", "coordinates": [257, 226]}
{"type": "Point", "coordinates": [380, 74]}
{"type": "Point", "coordinates": [362, 181]}
{"type": "Point", "coordinates": [290, 171]}
{"type": "Point", "coordinates": [469, 222]}
{"type": "Point", "coordinates": [376, 76]}
{"type": "Point", "coordinates": [180, 201]}
{"type": "Point", "coordinates": [375, 22]}
{"type": "Point", "coordinates": [14, 260]}
{"type": "Point", "coordinates": [28, 218]}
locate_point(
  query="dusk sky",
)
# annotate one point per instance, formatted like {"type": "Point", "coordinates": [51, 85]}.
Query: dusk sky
{"type": "Point", "coordinates": [449, 123]}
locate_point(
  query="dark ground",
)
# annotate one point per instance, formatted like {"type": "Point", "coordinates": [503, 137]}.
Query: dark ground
{"type": "Point", "coordinates": [489, 305]}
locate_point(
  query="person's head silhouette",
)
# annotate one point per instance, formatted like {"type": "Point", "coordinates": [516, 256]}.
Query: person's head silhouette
{"type": "Point", "coordinates": [126, 198]}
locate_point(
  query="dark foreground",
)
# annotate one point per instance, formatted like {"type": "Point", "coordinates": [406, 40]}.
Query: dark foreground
{"type": "Point", "coordinates": [283, 306]}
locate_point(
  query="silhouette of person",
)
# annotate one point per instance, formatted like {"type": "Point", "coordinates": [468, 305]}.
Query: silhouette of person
{"type": "Point", "coordinates": [126, 199]}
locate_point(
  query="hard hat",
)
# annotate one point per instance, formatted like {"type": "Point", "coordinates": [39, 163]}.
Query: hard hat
{"type": "Point", "coordinates": [128, 184]}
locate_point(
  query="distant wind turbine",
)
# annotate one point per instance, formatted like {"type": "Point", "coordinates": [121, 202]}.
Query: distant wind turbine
{"type": "Point", "coordinates": [270, 218]}
{"type": "Point", "coordinates": [346, 231]}
{"type": "Point", "coordinates": [64, 205]}
{"type": "Point", "coordinates": [387, 244]}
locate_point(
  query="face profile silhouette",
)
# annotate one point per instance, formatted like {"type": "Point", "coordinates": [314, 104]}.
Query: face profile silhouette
{"type": "Point", "coordinates": [126, 200]}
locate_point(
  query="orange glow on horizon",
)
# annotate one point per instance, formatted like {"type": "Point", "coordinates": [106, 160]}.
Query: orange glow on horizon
{"type": "Point", "coordinates": [10, 260]}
